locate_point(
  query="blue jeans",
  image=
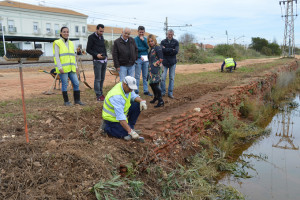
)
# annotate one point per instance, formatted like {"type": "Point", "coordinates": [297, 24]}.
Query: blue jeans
{"type": "Point", "coordinates": [141, 66]}
{"type": "Point", "coordinates": [228, 68]}
{"type": "Point", "coordinates": [126, 71]}
{"type": "Point", "coordinates": [64, 81]}
{"type": "Point", "coordinates": [171, 80]}
{"type": "Point", "coordinates": [99, 72]}
{"type": "Point", "coordinates": [115, 129]}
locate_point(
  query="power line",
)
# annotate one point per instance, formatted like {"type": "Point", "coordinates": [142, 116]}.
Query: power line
{"type": "Point", "coordinates": [167, 26]}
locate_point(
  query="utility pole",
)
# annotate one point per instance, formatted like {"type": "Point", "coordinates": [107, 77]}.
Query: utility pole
{"type": "Point", "coordinates": [112, 35]}
{"type": "Point", "coordinates": [227, 36]}
{"type": "Point", "coordinates": [3, 38]}
{"type": "Point", "coordinates": [289, 38]}
{"type": "Point", "coordinates": [166, 28]}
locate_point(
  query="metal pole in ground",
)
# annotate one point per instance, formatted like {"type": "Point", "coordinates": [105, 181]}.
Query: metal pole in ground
{"type": "Point", "coordinates": [23, 99]}
{"type": "Point", "coordinates": [3, 39]}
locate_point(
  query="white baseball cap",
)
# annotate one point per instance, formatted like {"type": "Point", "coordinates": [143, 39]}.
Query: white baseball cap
{"type": "Point", "coordinates": [131, 82]}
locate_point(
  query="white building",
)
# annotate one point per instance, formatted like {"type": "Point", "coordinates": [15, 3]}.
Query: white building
{"type": "Point", "coordinates": [36, 27]}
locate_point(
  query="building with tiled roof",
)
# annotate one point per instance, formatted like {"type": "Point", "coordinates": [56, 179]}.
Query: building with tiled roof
{"type": "Point", "coordinates": [112, 33]}
{"type": "Point", "coordinates": [204, 46]}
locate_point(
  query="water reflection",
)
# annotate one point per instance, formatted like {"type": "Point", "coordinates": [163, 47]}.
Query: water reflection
{"type": "Point", "coordinates": [279, 176]}
{"type": "Point", "coordinates": [286, 140]}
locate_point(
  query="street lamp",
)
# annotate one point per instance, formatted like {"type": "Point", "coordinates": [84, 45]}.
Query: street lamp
{"type": "Point", "coordinates": [3, 35]}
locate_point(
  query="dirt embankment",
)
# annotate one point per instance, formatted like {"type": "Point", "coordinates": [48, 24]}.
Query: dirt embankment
{"type": "Point", "coordinates": [67, 154]}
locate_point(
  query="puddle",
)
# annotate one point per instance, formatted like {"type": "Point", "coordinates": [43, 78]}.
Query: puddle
{"type": "Point", "coordinates": [278, 176]}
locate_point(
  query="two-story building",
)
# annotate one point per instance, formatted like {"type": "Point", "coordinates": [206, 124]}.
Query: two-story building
{"type": "Point", "coordinates": [36, 27]}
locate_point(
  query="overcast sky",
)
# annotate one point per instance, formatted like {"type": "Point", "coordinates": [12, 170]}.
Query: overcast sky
{"type": "Point", "coordinates": [209, 19]}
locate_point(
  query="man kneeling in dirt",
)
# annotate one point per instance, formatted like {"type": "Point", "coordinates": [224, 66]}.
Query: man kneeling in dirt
{"type": "Point", "coordinates": [229, 65]}
{"type": "Point", "coordinates": [120, 102]}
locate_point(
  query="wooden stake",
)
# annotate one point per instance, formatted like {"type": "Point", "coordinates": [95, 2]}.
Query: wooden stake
{"type": "Point", "coordinates": [23, 100]}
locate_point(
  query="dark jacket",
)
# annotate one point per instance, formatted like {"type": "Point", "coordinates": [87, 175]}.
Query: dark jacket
{"type": "Point", "coordinates": [96, 46]}
{"type": "Point", "coordinates": [170, 51]}
{"type": "Point", "coordinates": [124, 53]}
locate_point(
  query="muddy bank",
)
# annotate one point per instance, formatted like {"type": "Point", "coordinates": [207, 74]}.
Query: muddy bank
{"type": "Point", "coordinates": [184, 126]}
{"type": "Point", "coordinates": [274, 158]}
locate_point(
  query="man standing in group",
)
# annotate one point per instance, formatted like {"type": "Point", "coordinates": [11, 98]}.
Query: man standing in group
{"type": "Point", "coordinates": [142, 63]}
{"type": "Point", "coordinates": [170, 48]}
{"type": "Point", "coordinates": [125, 54]}
{"type": "Point", "coordinates": [96, 47]}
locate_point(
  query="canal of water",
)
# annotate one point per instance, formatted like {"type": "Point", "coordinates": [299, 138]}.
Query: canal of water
{"type": "Point", "coordinates": [277, 175]}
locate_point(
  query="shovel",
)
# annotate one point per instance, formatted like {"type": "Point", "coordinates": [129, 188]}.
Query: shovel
{"type": "Point", "coordinates": [50, 91]}
{"type": "Point", "coordinates": [82, 70]}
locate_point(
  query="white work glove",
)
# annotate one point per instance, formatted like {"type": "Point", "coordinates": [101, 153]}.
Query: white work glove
{"type": "Point", "coordinates": [143, 105]}
{"type": "Point", "coordinates": [133, 134]}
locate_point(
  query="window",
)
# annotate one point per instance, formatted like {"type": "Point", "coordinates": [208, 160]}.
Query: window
{"type": "Point", "coordinates": [35, 27]}
{"type": "Point", "coordinates": [56, 28]}
{"type": "Point", "coordinates": [38, 46]}
{"type": "Point", "coordinates": [83, 29]}
{"type": "Point", "coordinates": [76, 29]}
{"type": "Point", "coordinates": [48, 27]}
{"type": "Point", "coordinates": [11, 25]}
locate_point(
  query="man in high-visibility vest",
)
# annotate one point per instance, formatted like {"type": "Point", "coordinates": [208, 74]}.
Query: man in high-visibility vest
{"type": "Point", "coordinates": [121, 109]}
{"type": "Point", "coordinates": [229, 64]}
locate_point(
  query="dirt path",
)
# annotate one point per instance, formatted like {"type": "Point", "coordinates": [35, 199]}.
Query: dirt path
{"type": "Point", "coordinates": [35, 82]}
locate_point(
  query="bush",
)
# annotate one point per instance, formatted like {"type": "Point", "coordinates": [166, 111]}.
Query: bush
{"type": "Point", "coordinates": [108, 46]}
{"type": "Point", "coordinates": [190, 54]}
{"type": "Point", "coordinates": [226, 50]}
{"type": "Point", "coordinates": [263, 46]}
{"type": "Point", "coordinates": [275, 48]}
{"type": "Point", "coordinates": [8, 46]}
{"type": "Point", "coordinates": [266, 51]}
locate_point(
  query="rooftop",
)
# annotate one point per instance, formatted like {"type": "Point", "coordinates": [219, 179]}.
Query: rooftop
{"type": "Point", "coordinates": [15, 4]}
{"type": "Point", "coordinates": [115, 30]}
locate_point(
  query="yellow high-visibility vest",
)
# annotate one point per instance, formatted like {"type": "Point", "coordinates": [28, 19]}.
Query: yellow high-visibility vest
{"type": "Point", "coordinates": [66, 56]}
{"type": "Point", "coordinates": [229, 62]}
{"type": "Point", "coordinates": [108, 111]}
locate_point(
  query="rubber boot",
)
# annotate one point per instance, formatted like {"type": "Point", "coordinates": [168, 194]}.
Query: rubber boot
{"type": "Point", "coordinates": [159, 97]}
{"type": "Point", "coordinates": [160, 103]}
{"type": "Point", "coordinates": [153, 100]}
{"type": "Point", "coordinates": [66, 99]}
{"type": "Point", "coordinates": [155, 95]}
{"type": "Point", "coordinates": [77, 98]}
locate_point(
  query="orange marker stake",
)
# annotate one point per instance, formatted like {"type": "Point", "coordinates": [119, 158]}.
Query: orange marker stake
{"type": "Point", "coordinates": [23, 101]}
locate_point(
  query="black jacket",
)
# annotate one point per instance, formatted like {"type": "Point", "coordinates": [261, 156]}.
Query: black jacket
{"type": "Point", "coordinates": [124, 54]}
{"type": "Point", "coordinates": [96, 46]}
{"type": "Point", "coordinates": [170, 51]}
